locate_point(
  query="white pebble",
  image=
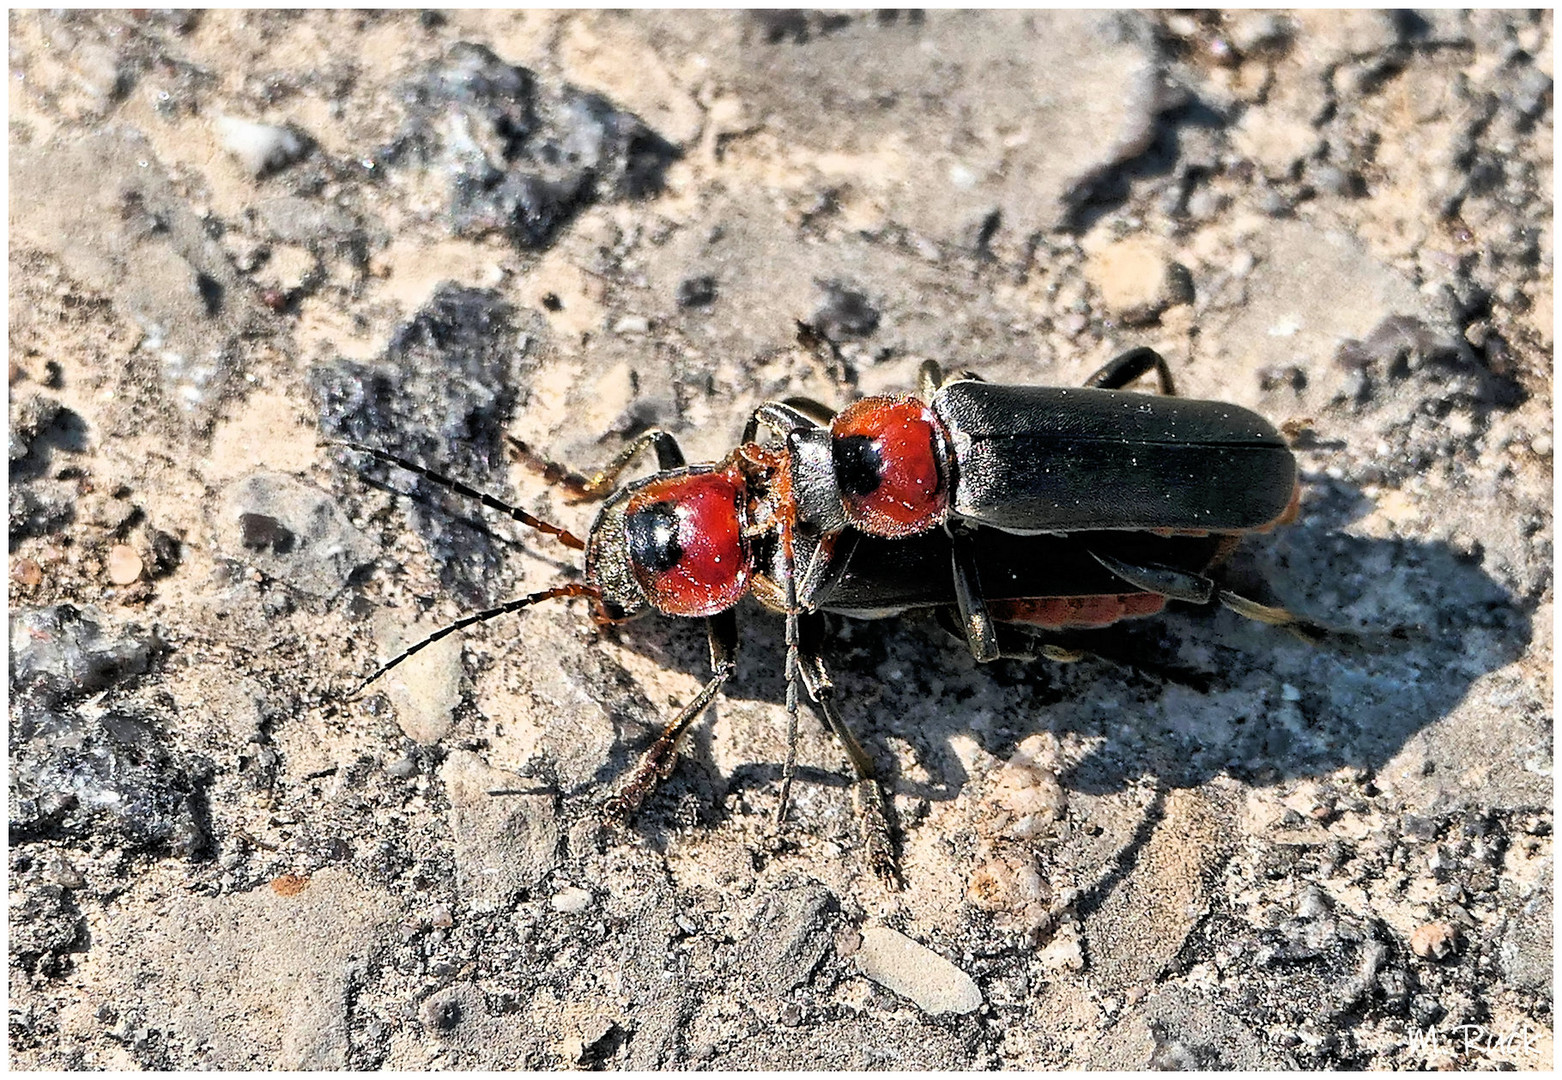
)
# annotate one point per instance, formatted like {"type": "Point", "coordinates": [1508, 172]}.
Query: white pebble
{"type": "Point", "coordinates": [258, 147]}
{"type": "Point", "coordinates": [914, 971]}
{"type": "Point", "coordinates": [570, 899]}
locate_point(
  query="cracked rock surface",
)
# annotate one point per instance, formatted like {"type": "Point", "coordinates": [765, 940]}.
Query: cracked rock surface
{"type": "Point", "coordinates": [243, 239]}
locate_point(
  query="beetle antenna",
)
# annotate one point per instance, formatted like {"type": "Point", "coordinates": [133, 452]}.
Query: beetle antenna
{"type": "Point", "coordinates": [564, 536]}
{"type": "Point", "coordinates": [573, 588]}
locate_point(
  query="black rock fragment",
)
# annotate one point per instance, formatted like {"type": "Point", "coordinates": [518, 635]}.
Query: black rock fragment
{"type": "Point", "coordinates": [698, 291]}
{"type": "Point", "coordinates": [39, 502]}
{"type": "Point", "coordinates": [45, 928]}
{"type": "Point", "coordinates": [845, 312]}
{"type": "Point", "coordinates": [521, 159]}
{"type": "Point", "coordinates": [86, 764]}
{"type": "Point", "coordinates": [259, 531]}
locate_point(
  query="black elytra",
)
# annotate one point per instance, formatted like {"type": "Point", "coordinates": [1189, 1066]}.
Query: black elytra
{"type": "Point", "coordinates": [653, 537]}
{"type": "Point", "coordinates": [859, 466]}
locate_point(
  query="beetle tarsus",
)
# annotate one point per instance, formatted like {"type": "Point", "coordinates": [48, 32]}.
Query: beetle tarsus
{"type": "Point", "coordinates": [875, 826]}
{"type": "Point", "coordinates": [659, 759]}
{"type": "Point", "coordinates": [1309, 631]}
{"type": "Point", "coordinates": [876, 831]}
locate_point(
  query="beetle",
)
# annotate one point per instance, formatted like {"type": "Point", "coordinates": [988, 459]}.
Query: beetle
{"type": "Point", "coordinates": [1035, 459]}
{"type": "Point", "coordinates": [691, 540]}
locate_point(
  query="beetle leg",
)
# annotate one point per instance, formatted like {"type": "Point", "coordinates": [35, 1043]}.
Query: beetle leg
{"type": "Point", "coordinates": [1197, 589]}
{"type": "Point", "coordinates": [657, 763]}
{"type": "Point", "coordinates": [1305, 629]}
{"type": "Point", "coordinates": [793, 676]}
{"type": "Point", "coordinates": [823, 350]}
{"type": "Point", "coordinates": [868, 796]}
{"type": "Point", "coordinates": [975, 620]}
{"type": "Point", "coordinates": [825, 567]}
{"type": "Point", "coordinates": [781, 417]}
{"type": "Point", "coordinates": [601, 484]}
{"type": "Point", "coordinates": [1034, 648]}
{"type": "Point", "coordinates": [1170, 583]}
{"type": "Point", "coordinates": [1119, 372]}
{"type": "Point", "coordinates": [929, 378]}
{"type": "Point", "coordinates": [1044, 650]}
{"type": "Point", "coordinates": [816, 411]}
{"type": "Point", "coordinates": [1017, 642]}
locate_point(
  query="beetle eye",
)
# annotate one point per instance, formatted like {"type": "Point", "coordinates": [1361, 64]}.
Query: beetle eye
{"type": "Point", "coordinates": [653, 538]}
{"type": "Point", "coordinates": [859, 467]}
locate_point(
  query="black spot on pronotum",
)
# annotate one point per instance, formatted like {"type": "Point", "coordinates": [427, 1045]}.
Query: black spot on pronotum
{"type": "Point", "coordinates": [859, 467]}
{"type": "Point", "coordinates": [653, 538]}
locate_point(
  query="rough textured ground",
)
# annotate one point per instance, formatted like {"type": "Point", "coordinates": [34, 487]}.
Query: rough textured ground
{"type": "Point", "coordinates": [235, 235]}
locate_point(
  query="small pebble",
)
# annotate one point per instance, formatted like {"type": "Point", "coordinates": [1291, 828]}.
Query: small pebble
{"type": "Point", "coordinates": [1134, 279]}
{"type": "Point", "coordinates": [124, 565]}
{"type": "Point", "coordinates": [1433, 941]}
{"type": "Point", "coordinates": [289, 884]}
{"type": "Point", "coordinates": [1064, 952]}
{"type": "Point", "coordinates": [570, 900]}
{"type": "Point", "coordinates": [697, 291]}
{"type": "Point", "coordinates": [914, 971]}
{"type": "Point", "coordinates": [259, 148]}
{"type": "Point", "coordinates": [441, 1012]}
{"type": "Point", "coordinates": [25, 571]}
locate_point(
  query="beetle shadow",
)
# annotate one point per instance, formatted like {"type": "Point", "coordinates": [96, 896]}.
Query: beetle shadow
{"type": "Point", "coordinates": [1189, 696]}
{"type": "Point", "coordinates": [1420, 622]}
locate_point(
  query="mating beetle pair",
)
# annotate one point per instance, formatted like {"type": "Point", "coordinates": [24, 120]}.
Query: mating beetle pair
{"type": "Point", "coordinates": [1043, 509]}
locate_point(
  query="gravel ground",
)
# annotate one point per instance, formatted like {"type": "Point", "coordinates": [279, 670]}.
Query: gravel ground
{"type": "Point", "coordinates": [236, 236]}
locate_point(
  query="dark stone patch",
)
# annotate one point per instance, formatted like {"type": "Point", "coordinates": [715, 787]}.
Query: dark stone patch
{"type": "Point", "coordinates": [845, 312]}
{"type": "Point", "coordinates": [520, 158]}
{"type": "Point", "coordinates": [94, 767]}
{"type": "Point", "coordinates": [441, 395]}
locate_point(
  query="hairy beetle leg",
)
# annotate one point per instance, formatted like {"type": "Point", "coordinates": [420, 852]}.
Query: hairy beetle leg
{"type": "Point", "coordinates": [661, 757]}
{"type": "Point", "coordinates": [1197, 589]}
{"type": "Point", "coordinates": [1163, 580]}
{"type": "Point", "coordinates": [604, 482]}
{"type": "Point", "coordinates": [1306, 629]}
{"type": "Point", "coordinates": [876, 830]}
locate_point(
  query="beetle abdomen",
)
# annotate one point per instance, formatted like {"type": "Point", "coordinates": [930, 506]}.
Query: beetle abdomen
{"type": "Point", "coordinates": [1057, 459]}
{"type": "Point", "coordinates": [884, 577]}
